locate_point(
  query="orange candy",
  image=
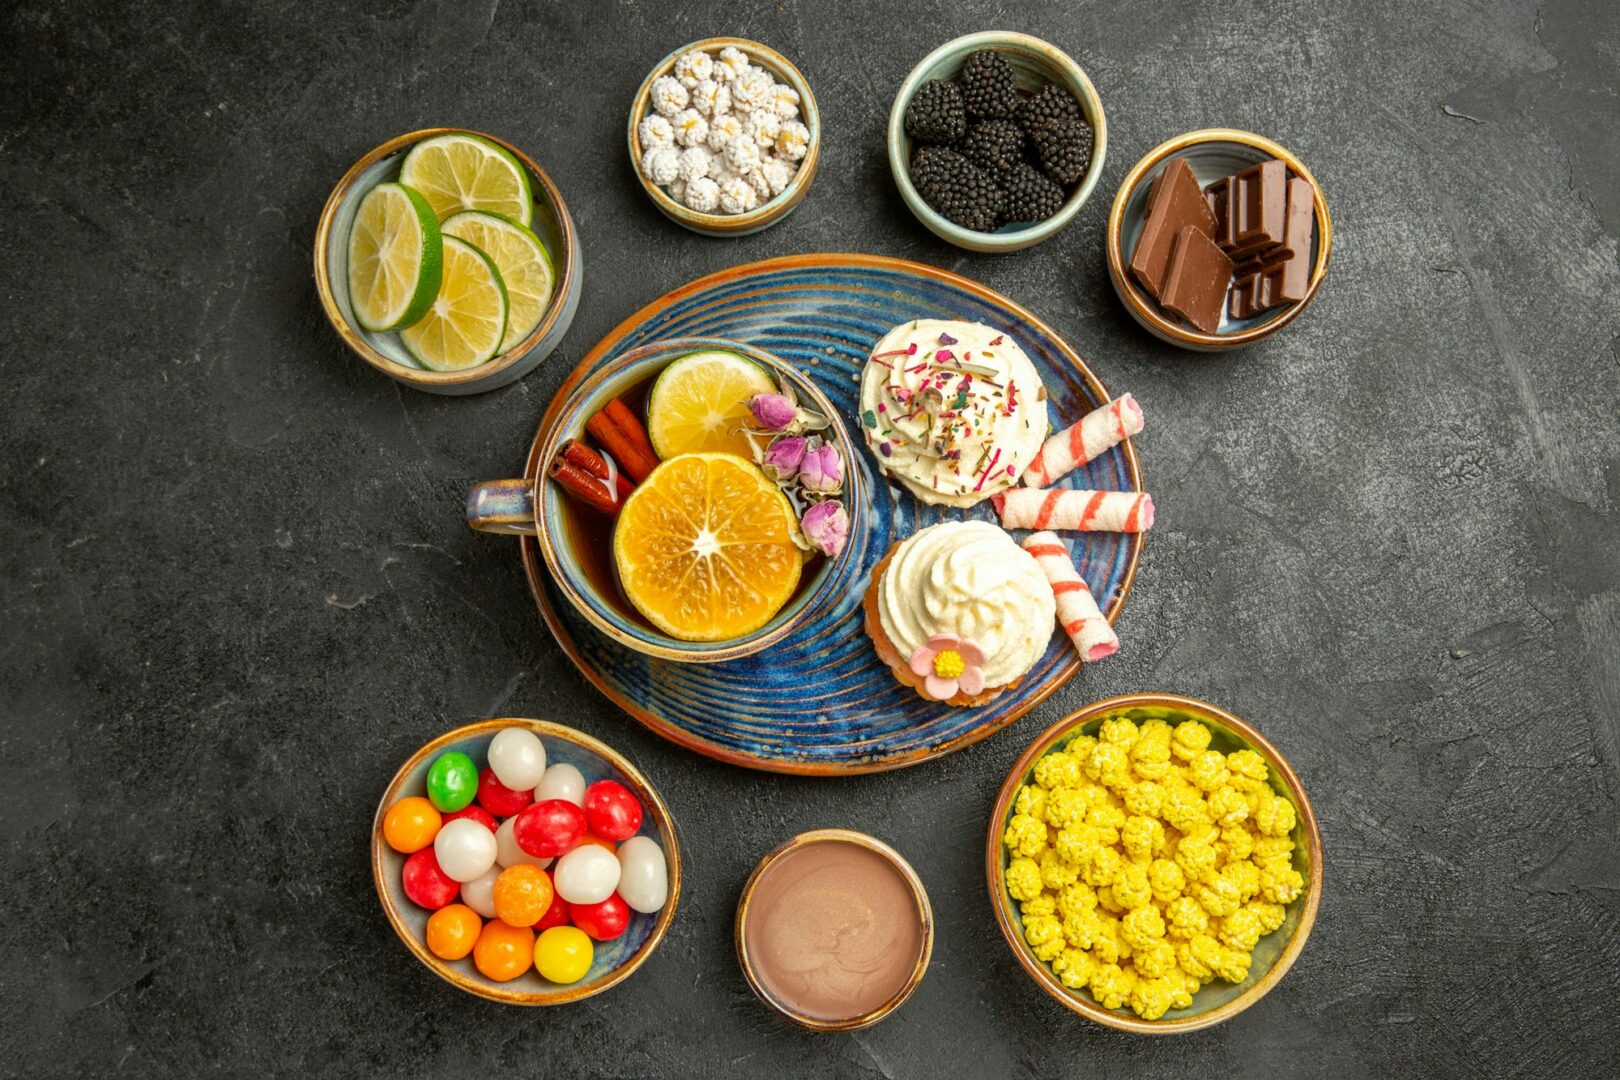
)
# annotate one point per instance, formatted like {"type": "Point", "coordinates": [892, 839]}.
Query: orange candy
{"type": "Point", "coordinates": [452, 931]}
{"type": "Point", "coordinates": [411, 824]}
{"type": "Point", "coordinates": [522, 895]}
{"type": "Point", "coordinates": [503, 952]}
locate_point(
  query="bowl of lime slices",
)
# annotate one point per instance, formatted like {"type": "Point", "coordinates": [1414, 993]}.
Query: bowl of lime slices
{"type": "Point", "coordinates": [446, 259]}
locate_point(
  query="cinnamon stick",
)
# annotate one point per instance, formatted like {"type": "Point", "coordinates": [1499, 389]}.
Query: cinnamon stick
{"type": "Point", "coordinates": [583, 486]}
{"type": "Point", "coordinates": [593, 463]}
{"type": "Point", "coordinates": [622, 435]}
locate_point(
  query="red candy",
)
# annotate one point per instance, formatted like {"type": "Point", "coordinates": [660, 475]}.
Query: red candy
{"type": "Point", "coordinates": [499, 799]}
{"type": "Point", "coordinates": [548, 829]}
{"type": "Point", "coordinates": [476, 813]}
{"type": "Point", "coordinates": [427, 885]}
{"type": "Point", "coordinates": [611, 811]}
{"type": "Point", "coordinates": [604, 921]}
{"type": "Point", "coordinates": [556, 914]}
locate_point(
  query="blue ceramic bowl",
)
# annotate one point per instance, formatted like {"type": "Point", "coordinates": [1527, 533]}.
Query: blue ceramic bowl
{"type": "Point", "coordinates": [1211, 154]}
{"type": "Point", "coordinates": [614, 961]}
{"type": "Point", "coordinates": [515, 506]}
{"type": "Point", "coordinates": [384, 351]}
{"type": "Point", "coordinates": [1035, 64]}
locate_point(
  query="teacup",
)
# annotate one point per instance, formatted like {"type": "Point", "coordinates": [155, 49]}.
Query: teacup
{"type": "Point", "coordinates": [577, 543]}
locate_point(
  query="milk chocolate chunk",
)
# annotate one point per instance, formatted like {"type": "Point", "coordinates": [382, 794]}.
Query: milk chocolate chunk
{"type": "Point", "coordinates": [1174, 203]}
{"type": "Point", "coordinates": [1281, 275]}
{"type": "Point", "coordinates": [1196, 281]}
{"type": "Point", "coordinates": [1250, 208]}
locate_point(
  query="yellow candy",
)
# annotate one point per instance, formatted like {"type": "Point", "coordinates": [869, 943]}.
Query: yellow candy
{"type": "Point", "coordinates": [1189, 740]}
{"type": "Point", "coordinates": [1058, 769]}
{"type": "Point", "coordinates": [1142, 926]}
{"type": "Point", "coordinates": [1103, 867]}
{"type": "Point", "coordinates": [1081, 929]}
{"type": "Point", "coordinates": [1228, 806]}
{"type": "Point", "coordinates": [1157, 958]}
{"type": "Point", "coordinates": [1031, 800]}
{"type": "Point", "coordinates": [1055, 873]}
{"type": "Point", "coordinates": [1241, 929]}
{"type": "Point", "coordinates": [1073, 968]}
{"type": "Point", "coordinates": [563, 954]}
{"type": "Point", "coordinates": [1044, 904]}
{"type": "Point", "coordinates": [1065, 806]}
{"type": "Point", "coordinates": [1076, 897]}
{"type": "Point", "coordinates": [1076, 844]}
{"type": "Point", "coordinates": [1186, 920]}
{"type": "Point", "coordinates": [1166, 880]}
{"type": "Point", "coordinates": [1151, 998]}
{"type": "Point", "coordinates": [1110, 986]}
{"type": "Point", "coordinates": [1208, 770]}
{"type": "Point", "coordinates": [1132, 887]}
{"type": "Point", "coordinates": [1217, 894]}
{"type": "Point", "coordinates": [1108, 765]}
{"type": "Point", "coordinates": [1236, 844]}
{"type": "Point", "coordinates": [1025, 836]}
{"type": "Point", "coordinates": [1045, 936]}
{"type": "Point", "coordinates": [1023, 879]}
{"type": "Point", "coordinates": [1145, 798]}
{"type": "Point", "coordinates": [1275, 817]}
{"type": "Point", "coordinates": [1118, 730]}
{"type": "Point", "coordinates": [1248, 769]}
{"type": "Point", "coordinates": [1142, 837]}
{"type": "Point", "coordinates": [1270, 915]}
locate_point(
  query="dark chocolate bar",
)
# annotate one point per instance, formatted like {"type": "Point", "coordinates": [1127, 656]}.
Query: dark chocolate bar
{"type": "Point", "coordinates": [1281, 275]}
{"type": "Point", "coordinates": [1196, 281]}
{"type": "Point", "coordinates": [1175, 202]}
{"type": "Point", "coordinates": [1249, 209]}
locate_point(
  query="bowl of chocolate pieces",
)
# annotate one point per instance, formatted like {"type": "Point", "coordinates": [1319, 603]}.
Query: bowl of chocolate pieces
{"type": "Point", "coordinates": [1217, 239]}
{"type": "Point", "coordinates": [996, 140]}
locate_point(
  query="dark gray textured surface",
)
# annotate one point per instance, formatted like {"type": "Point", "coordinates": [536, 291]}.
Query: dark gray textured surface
{"type": "Point", "coordinates": [236, 590]}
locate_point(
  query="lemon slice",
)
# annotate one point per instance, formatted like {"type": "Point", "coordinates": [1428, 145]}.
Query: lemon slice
{"type": "Point", "coordinates": [464, 325]}
{"type": "Point", "coordinates": [704, 548]}
{"type": "Point", "coordinates": [700, 403]}
{"type": "Point", "coordinates": [519, 256]}
{"type": "Point", "coordinates": [394, 258]}
{"type": "Point", "coordinates": [463, 172]}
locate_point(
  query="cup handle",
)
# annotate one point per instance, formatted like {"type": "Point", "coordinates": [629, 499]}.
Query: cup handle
{"type": "Point", "coordinates": [502, 506]}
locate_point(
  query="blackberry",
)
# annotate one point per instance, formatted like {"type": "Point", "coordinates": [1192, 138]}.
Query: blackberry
{"type": "Point", "coordinates": [960, 190]}
{"type": "Point", "coordinates": [1052, 103]}
{"type": "Point", "coordinates": [1064, 147]}
{"type": "Point", "coordinates": [1030, 195]}
{"type": "Point", "coordinates": [987, 86]}
{"type": "Point", "coordinates": [935, 114]}
{"type": "Point", "coordinates": [996, 145]}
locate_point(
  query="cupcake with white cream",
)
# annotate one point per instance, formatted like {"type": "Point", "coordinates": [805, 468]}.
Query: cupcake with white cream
{"type": "Point", "coordinates": [954, 411]}
{"type": "Point", "coordinates": [959, 612]}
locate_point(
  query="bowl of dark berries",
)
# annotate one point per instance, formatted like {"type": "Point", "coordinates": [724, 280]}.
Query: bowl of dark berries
{"type": "Point", "coordinates": [996, 140]}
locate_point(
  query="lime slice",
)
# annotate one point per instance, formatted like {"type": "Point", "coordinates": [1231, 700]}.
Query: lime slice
{"type": "Point", "coordinates": [519, 256]}
{"type": "Point", "coordinates": [700, 403]}
{"type": "Point", "coordinates": [394, 258]}
{"type": "Point", "coordinates": [463, 172]}
{"type": "Point", "coordinates": [466, 321]}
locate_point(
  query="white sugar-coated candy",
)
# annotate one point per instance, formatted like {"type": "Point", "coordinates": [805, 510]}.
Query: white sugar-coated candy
{"type": "Point", "coordinates": [737, 196]}
{"type": "Point", "coordinates": [561, 782]}
{"type": "Point", "coordinates": [793, 141]}
{"type": "Point", "coordinates": [742, 153]}
{"type": "Point", "coordinates": [586, 875]}
{"type": "Point", "coordinates": [722, 129]}
{"type": "Point", "coordinates": [465, 849]}
{"type": "Point", "coordinates": [479, 893]}
{"type": "Point", "coordinates": [661, 164]}
{"type": "Point", "coordinates": [655, 130]}
{"type": "Point", "coordinates": [702, 195]}
{"type": "Point", "coordinates": [643, 874]}
{"type": "Point", "coordinates": [517, 758]}
{"type": "Point", "coordinates": [507, 852]}
{"type": "Point", "coordinates": [668, 95]}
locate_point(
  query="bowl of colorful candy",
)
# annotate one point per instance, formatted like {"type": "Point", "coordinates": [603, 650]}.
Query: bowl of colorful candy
{"type": "Point", "coordinates": [1154, 863]}
{"type": "Point", "coordinates": [525, 862]}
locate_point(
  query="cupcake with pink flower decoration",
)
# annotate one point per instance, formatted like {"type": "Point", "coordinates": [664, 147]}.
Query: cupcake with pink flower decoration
{"type": "Point", "coordinates": [959, 612]}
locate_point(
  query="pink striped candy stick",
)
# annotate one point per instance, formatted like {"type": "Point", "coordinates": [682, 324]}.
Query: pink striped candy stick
{"type": "Point", "coordinates": [1078, 443]}
{"type": "Point", "coordinates": [1077, 611]}
{"type": "Point", "coordinates": [1074, 508]}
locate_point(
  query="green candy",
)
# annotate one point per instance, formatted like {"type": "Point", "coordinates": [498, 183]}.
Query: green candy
{"type": "Point", "coordinates": [452, 781]}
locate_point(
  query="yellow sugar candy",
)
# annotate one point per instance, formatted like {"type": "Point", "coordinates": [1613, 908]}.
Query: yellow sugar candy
{"type": "Point", "coordinates": [1145, 797]}
{"type": "Point", "coordinates": [1248, 770]}
{"type": "Point", "coordinates": [1073, 967]}
{"type": "Point", "coordinates": [1025, 835]}
{"type": "Point", "coordinates": [1120, 731]}
{"type": "Point", "coordinates": [1275, 817]}
{"type": "Point", "coordinates": [1065, 806]}
{"type": "Point", "coordinates": [1111, 986]}
{"type": "Point", "coordinates": [1058, 769]}
{"type": "Point", "coordinates": [1055, 873]}
{"type": "Point", "coordinates": [1189, 740]}
{"type": "Point", "coordinates": [1023, 879]}
{"type": "Point", "coordinates": [1045, 936]}
{"type": "Point", "coordinates": [1132, 887]}
{"type": "Point", "coordinates": [1031, 800]}
{"type": "Point", "coordinates": [1108, 765]}
{"type": "Point", "coordinates": [1185, 919]}
{"type": "Point", "coordinates": [1166, 880]}
{"type": "Point", "coordinates": [1151, 998]}
{"type": "Point", "coordinates": [1081, 929]}
{"type": "Point", "coordinates": [1044, 904]}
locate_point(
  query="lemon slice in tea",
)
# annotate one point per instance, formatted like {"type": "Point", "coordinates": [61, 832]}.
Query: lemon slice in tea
{"type": "Point", "coordinates": [464, 172]}
{"type": "Point", "coordinates": [394, 258]}
{"type": "Point", "coordinates": [465, 323]}
{"type": "Point", "coordinates": [700, 403]}
{"type": "Point", "coordinates": [519, 256]}
{"type": "Point", "coordinates": [704, 548]}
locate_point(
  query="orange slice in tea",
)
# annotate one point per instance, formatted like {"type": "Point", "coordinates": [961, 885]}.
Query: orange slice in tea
{"type": "Point", "coordinates": [704, 548]}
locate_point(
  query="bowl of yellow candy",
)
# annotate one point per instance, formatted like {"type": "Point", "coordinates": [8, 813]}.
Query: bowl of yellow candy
{"type": "Point", "coordinates": [1154, 863]}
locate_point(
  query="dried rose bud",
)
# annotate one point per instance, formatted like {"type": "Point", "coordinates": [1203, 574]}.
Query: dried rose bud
{"type": "Point", "coordinates": [775, 412]}
{"type": "Point", "coordinates": [822, 470]}
{"type": "Point", "coordinates": [826, 526]}
{"type": "Point", "coordinates": [784, 457]}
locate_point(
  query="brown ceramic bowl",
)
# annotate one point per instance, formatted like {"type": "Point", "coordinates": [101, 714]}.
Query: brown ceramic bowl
{"type": "Point", "coordinates": [770, 211]}
{"type": "Point", "coordinates": [615, 960]}
{"type": "Point", "coordinates": [1212, 154]}
{"type": "Point", "coordinates": [924, 910]}
{"type": "Point", "coordinates": [1275, 953]}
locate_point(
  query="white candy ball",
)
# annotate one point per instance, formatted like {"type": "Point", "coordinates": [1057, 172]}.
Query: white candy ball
{"type": "Point", "coordinates": [777, 174]}
{"type": "Point", "coordinates": [561, 782]}
{"type": "Point", "coordinates": [586, 875]}
{"type": "Point", "coordinates": [695, 161]}
{"type": "Point", "coordinates": [643, 874]}
{"type": "Point", "coordinates": [507, 852]}
{"type": "Point", "coordinates": [752, 90]}
{"type": "Point", "coordinates": [722, 129]}
{"type": "Point", "coordinates": [733, 62]}
{"type": "Point", "coordinates": [764, 126]}
{"type": "Point", "coordinates": [690, 128]}
{"type": "Point", "coordinates": [737, 196]}
{"type": "Point", "coordinates": [793, 141]}
{"type": "Point", "coordinates": [668, 95]}
{"type": "Point", "coordinates": [661, 164]}
{"type": "Point", "coordinates": [693, 67]}
{"type": "Point", "coordinates": [742, 153]}
{"type": "Point", "coordinates": [479, 893]}
{"type": "Point", "coordinates": [702, 195]}
{"type": "Point", "coordinates": [517, 758]}
{"type": "Point", "coordinates": [465, 849]}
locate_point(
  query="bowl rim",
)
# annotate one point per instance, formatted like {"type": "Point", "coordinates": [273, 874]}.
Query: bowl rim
{"type": "Point", "coordinates": [563, 262]}
{"type": "Point", "coordinates": [774, 208]}
{"type": "Point", "coordinates": [1145, 310]}
{"type": "Point", "coordinates": [1036, 232]}
{"type": "Point", "coordinates": [1042, 974]}
{"type": "Point", "coordinates": [644, 790]}
{"type": "Point", "coordinates": [925, 912]}
{"type": "Point", "coordinates": [550, 438]}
